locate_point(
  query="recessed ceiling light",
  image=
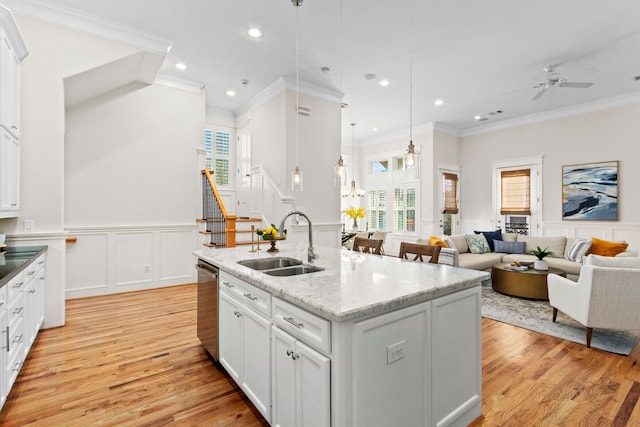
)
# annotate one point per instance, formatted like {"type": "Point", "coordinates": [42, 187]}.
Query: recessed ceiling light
{"type": "Point", "coordinates": [438, 102]}
{"type": "Point", "coordinates": [369, 76]}
{"type": "Point", "coordinates": [181, 66]}
{"type": "Point", "coordinates": [384, 82]}
{"type": "Point", "coordinates": [254, 33]}
{"type": "Point", "coordinates": [231, 93]}
{"type": "Point", "coordinates": [375, 129]}
{"type": "Point", "coordinates": [477, 117]}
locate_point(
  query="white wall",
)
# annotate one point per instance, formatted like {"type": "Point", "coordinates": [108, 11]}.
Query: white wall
{"type": "Point", "coordinates": [611, 134]}
{"type": "Point", "coordinates": [130, 163]}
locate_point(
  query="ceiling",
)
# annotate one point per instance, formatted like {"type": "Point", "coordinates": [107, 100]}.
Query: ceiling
{"type": "Point", "coordinates": [479, 57]}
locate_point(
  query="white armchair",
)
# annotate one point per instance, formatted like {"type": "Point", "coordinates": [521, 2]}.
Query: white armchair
{"type": "Point", "coordinates": [607, 294]}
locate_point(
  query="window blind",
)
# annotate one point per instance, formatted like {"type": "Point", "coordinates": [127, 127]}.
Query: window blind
{"type": "Point", "coordinates": [515, 192]}
{"type": "Point", "coordinates": [450, 185]}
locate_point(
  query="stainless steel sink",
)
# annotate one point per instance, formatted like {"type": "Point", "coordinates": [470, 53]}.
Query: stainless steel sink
{"type": "Point", "coordinates": [293, 270]}
{"type": "Point", "coordinates": [270, 263]}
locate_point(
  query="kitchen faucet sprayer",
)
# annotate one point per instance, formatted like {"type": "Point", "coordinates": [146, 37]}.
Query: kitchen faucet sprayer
{"type": "Point", "coordinates": [311, 255]}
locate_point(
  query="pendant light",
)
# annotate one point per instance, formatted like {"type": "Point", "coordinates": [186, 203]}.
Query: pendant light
{"type": "Point", "coordinates": [340, 169]}
{"type": "Point", "coordinates": [410, 157]}
{"type": "Point", "coordinates": [296, 175]}
{"type": "Point", "coordinates": [353, 191]}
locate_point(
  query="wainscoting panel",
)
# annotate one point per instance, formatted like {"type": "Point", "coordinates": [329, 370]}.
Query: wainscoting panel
{"type": "Point", "coordinates": [108, 260]}
{"type": "Point", "coordinates": [133, 257]}
{"type": "Point", "coordinates": [176, 264]}
{"type": "Point", "coordinates": [86, 266]}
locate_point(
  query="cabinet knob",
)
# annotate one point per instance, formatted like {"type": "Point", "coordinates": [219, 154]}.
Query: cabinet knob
{"type": "Point", "coordinates": [292, 354]}
{"type": "Point", "coordinates": [238, 314]}
{"type": "Point", "coordinates": [227, 284]}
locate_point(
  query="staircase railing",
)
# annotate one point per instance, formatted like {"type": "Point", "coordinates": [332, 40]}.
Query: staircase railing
{"type": "Point", "coordinates": [220, 225]}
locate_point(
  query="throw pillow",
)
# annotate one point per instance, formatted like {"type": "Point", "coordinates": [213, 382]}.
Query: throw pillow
{"type": "Point", "coordinates": [491, 236]}
{"type": "Point", "coordinates": [477, 243]}
{"type": "Point", "coordinates": [449, 241]}
{"type": "Point", "coordinates": [578, 249]}
{"type": "Point", "coordinates": [509, 247]}
{"type": "Point", "coordinates": [606, 248]}
{"type": "Point", "coordinates": [436, 241]}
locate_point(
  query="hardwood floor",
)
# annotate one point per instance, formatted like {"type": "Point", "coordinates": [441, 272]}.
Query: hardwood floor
{"type": "Point", "coordinates": [134, 359]}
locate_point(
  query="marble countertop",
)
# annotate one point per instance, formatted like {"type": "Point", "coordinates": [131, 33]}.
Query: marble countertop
{"type": "Point", "coordinates": [352, 285]}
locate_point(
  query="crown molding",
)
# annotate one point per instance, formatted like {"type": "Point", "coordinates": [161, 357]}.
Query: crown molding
{"type": "Point", "coordinates": [221, 116]}
{"type": "Point", "coordinates": [12, 33]}
{"type": "Point", "coordinates": [268, 93]}
{"type": "Point", "coordinates": [179, 83]}
{"type": "Point", "coordinates": [90, 24]}
{"type": "Point", "coordinates": [574, 110]}
{"type": "Point", "coordinates": [314, 90]}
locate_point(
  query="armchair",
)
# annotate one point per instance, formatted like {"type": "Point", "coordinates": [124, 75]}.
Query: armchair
{"type": "Point", "coordinates": [606, 295]}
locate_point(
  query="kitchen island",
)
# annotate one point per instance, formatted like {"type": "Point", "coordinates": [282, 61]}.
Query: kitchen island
{"type": "Point", "coordinates": [368, 341]}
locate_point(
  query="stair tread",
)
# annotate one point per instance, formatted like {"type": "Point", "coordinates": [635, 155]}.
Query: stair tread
{"type": "Point", "coordinates": [247, 219]}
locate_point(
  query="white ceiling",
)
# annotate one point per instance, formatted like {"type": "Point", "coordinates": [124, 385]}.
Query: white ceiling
{"type": "Point", "coordinates": [478, 56]}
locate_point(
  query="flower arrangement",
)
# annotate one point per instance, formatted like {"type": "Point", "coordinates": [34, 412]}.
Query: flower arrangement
{"type": "Point", "coordinates": [271, 233]}
{"type": "Point", "coordinates": [354, 213]}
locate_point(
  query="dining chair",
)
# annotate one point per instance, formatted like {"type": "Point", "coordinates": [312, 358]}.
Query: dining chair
{"type": "Point", "coordinates": [418, 251]}
{"type": "Point", "coordinates": [368, 246]}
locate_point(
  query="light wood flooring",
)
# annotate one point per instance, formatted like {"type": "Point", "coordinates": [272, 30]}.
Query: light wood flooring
{"type": "Point", "coordinates": [134, 360]}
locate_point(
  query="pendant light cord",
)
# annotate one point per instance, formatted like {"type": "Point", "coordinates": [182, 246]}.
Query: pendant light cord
{"type": "Point", "coordinates": [411, 71]}
{"type": "Point", "coordinates": [297, 84]}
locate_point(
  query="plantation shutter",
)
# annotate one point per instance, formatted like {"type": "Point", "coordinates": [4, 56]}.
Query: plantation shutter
{"type": "Point", "coordinates": [515, 192]}
{"type": "Point", "coordinates": [450, 183]}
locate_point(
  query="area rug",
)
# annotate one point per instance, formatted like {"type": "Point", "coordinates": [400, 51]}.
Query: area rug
{"type": "Point", "coordinates": [536, 316]}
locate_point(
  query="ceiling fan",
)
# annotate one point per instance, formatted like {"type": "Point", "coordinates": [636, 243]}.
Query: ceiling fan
{"type": "Point", "coordinates": [556, 80]}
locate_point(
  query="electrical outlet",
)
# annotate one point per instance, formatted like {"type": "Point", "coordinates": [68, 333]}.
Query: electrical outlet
{"type": "Point", "coordinates": [396, 352]}
{"type": "Point", "coordinates": [29, 225]}
{"type": "Point", "coordinates": [147, 268]}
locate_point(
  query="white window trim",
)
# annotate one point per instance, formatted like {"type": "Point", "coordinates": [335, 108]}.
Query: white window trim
{"type": "Point", "coordinates": [536, 188]}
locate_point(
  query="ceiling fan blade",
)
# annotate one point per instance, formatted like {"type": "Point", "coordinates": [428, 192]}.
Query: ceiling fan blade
{"type": "Point", "coordinates": [577, 85]}
{"type": "Point", "coordinates": [539, 94]}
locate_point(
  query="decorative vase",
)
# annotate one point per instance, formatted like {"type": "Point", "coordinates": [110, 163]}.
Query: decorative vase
{"type": "Point", "coordinates": [354, 227]}
{"type": "Point", "coordinates": [540, 264]}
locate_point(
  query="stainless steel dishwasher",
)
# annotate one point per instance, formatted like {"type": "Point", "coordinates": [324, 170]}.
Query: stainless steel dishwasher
{"type": "Point", "coordinates": [207, 326]}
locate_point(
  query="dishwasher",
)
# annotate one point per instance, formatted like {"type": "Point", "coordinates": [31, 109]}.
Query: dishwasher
{"type": "Point", "coordinates": [207, 321]}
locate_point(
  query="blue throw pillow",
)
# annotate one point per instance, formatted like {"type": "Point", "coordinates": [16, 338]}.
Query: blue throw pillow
{"type": "Point", "coordinates": [509, 247]}
{"type": "Point", "coordinates": [491, 236]}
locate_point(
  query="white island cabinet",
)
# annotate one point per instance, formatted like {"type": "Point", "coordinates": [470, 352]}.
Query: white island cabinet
{"type": "Point", "coordinates": [368, 341]}
{"type": "Point", "coordinates": [245, 340]}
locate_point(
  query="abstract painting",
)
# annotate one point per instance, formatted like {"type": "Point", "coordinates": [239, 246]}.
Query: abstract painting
{"type": "Point", "coordinates": [590, 191]}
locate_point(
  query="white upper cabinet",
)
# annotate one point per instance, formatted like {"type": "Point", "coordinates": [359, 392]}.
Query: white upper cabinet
{"type": "Point", "coordinates": [12, 52]}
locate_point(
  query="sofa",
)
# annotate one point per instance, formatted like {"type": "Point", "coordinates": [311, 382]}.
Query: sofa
{"type": "Point", "coordinates": [458, 254]}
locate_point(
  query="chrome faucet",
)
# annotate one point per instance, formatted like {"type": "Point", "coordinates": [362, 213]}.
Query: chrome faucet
{"type": "Point", "coordinates": [311, 255]}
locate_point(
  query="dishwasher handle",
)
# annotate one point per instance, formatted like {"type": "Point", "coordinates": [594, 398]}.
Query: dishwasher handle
{"type": "Point", "coordinates": [208, 268]}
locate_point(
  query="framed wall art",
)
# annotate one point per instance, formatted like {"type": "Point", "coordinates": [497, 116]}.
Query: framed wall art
{"type": "Point", "coordinates": [590, 191]}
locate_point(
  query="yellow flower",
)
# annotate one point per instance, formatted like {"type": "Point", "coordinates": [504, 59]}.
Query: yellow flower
{"type": "Point", "coordinates": [270, 232]}
{"type": "Point", "coordinates": [354, 213]}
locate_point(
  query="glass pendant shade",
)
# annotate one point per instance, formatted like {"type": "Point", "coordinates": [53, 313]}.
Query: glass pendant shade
{"type": "Point", "coordinates": [411, 157]}
{"type": "Point", "coordinates": [296, 180]}
{"type": "Point", "coordinates": [339, 173]}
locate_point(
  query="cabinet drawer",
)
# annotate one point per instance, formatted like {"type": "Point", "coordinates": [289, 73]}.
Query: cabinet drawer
{"type": "Point", "coordinates": [308, 327]}
{"type": "Point", "coordinates": [15, 287]}
{"type": "Point", "coordinates": [16, 339]}
{"type": "Point", "coordinates": [30, 272]}
{"type": "Point", "coordinates": [15, 310]}
{"type": "Point", "coordinates": [3, 297]}
{"type": "Point", "coordinates": [39, 262]}
{"type": "Point", "coordinates": [248, 294]}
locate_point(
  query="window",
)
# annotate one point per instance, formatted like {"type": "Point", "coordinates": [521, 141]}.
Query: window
{"type": "Point", "coordinates": [381, 166]}
{"type": "Point", "coordinates": [219, 158]}
{"type": "Point", "coordinates": [378, 209]}
{"type": "Point", "coordinates": [515, 192]}
{"type": "Point", "coordinates": [404, 209]}
{"type": "Point", "coordinates": [450, 190]}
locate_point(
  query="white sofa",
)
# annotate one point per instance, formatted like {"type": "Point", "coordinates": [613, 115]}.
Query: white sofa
{"type": "Point", "coordinates": [606, 295]}
{"type": "Point", "coordinates": [461, 257]}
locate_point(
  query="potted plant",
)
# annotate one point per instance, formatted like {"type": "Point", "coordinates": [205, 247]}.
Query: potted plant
{"type": "Point", "coordinates": [354, 214]}
{"type": "Point", "coordinates": [540, 253]}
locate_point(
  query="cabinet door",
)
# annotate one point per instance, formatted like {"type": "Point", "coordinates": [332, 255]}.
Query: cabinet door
{"type": "Point", "coordinates": [283, 379]}
{"type": "Point", "coordinates": [313, 387]}
{"type": "Point", "coordinates": [4, 338]}
{"type": "Point", "coordinates": [30, 316]}
{"type": "Point", "coordinates": [256, 360]}
{"type": "Point", "coordinates": [9, 88]}
{"type": "Point", "coordinates": [229, 336]}
{"type": "Point", "coordinates": [9, 173]}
